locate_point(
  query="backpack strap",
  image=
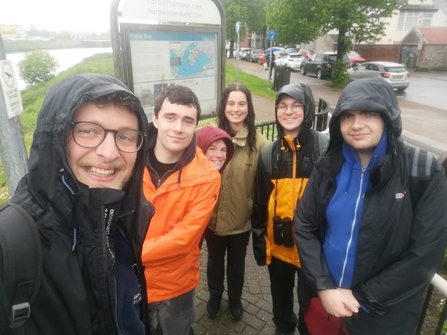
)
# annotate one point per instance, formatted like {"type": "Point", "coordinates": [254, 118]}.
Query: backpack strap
{"type": "Point", "coordinates": [421, 169]}
{"type": "Point", "coordinates": [21, 261]}
{"type": "Point", "coordinates": [266, 156]}
{"type": "Point", "coordinates": [266, 153]}
{"type": "Point", "coordinates": [323, 142]}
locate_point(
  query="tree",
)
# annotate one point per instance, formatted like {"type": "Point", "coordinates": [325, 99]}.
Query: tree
{"type": "Point", "coordinates": [301, 21]}
{"type": "Point", "coordinates": [294, 21]}
{"type": "Point", "coordinates": [256, 15]}
{"type": "Point", "coordinates": [250, 13]}
{"type": "Point", "coordinates": [37, 66]}
{"type": "Point", "coordinates": [63, 35]}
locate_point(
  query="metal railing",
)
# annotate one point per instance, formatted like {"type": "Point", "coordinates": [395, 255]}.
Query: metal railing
{"type": "Point", "coordinates": [441, 285]}
{"type": "Point", "coordinates": [437, 282]}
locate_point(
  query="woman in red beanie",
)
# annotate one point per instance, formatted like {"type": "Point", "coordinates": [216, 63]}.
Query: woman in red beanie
{"type": "Point", "coordinates": [216, 144]}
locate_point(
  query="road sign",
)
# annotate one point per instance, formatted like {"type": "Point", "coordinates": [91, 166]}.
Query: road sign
{"type": "Point", "coordinates": [271, 35]}
{"type": "Point", "coordinates": [238, 27]}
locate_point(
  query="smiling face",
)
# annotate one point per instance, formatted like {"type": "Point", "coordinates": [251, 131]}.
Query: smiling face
{"type": "Point", "coordinates": [217, 153]}
{"type": "Point", "coordinates": [362, 130]}
{"type": "Point", "coordinates": [176, 125]}
{"type": "Point", "coordinates": [236, 110]}
{"type": "Point", "coordinates": [290, 115]}
{"type": "Point", "coordinates": [104, 166]}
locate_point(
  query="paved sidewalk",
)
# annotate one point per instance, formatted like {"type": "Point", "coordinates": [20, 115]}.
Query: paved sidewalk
{"type": "Point", "coordinates": [256, 299]}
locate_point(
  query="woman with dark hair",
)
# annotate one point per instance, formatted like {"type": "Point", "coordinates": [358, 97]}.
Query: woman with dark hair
{"type": "Point", "coordinates": [230, 226]}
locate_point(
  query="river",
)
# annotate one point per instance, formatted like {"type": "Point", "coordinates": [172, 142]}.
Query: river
{"type": "Point", "coordinates": [66, 58]}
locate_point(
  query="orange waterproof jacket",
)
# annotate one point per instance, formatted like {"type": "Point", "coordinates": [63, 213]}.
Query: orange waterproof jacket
{"type": "Point", "coordinates": [183, 205]}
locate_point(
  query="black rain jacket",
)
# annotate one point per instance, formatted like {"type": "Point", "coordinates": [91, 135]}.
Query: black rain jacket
{"type": "Point", "coordinates": [78, 294]}
{"type": "Point", "coordinates": [401, 241]}
{"type": "Point", "coordinates": [292, 162]}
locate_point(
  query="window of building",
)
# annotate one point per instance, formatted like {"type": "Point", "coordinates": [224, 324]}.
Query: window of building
{"type": "Point", "coordinates": [426, 19]}
{"type": "Point", "coordinates": [407, 20]}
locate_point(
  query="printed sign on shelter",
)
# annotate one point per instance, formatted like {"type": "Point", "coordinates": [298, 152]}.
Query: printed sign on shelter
{"type": "Point", "coordinates": [158, 43]}
{"type": "Point", "coordinates": [11, 93]}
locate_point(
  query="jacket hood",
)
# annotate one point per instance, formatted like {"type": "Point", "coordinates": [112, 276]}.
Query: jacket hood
{"type": "Point", "coordinates": [209, 134]}
{"type": "Point", "coordinates": [372, 94]}
{"type": "Point", "coordinates": [302, 93]}
{"type": "Point", "coordinates": [50, 180]}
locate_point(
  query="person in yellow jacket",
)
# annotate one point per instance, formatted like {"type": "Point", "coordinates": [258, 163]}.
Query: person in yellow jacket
{"type": "Point", "coordinates": [281, 178]}
{"type": "Point", "coordinates": [230, 226]}
{"type": "Point", "coordinates": [183, 185]}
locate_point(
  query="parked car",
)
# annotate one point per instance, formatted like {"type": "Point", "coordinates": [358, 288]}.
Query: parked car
{"type": "Point", "coordinates": [394, 73]}
{"type": "Point", "coordinates": [355, 58]}
{"type": "Point", "coordinates": [292, 60]}
{"type": "Point", "coordinates": [291, 50]}
{"type": "Point", "coordinates": [276, 52]}
{"type": "Point", "coordinates": [228, 52]}
{"type": "Point", "coordinates": [254, 55]}
{"type": "Point", "coordinates": [242, 53]}
{"type": "Point", "coordinates": [275, 49]}
{"type": "Point", "coordinates": [306, 53]}
{"type": "Point", "coordinates": [321, 64]}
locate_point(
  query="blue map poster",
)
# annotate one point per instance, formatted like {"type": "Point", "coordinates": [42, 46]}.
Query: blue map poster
{"type": "Point", "coordinates": [162, 58]}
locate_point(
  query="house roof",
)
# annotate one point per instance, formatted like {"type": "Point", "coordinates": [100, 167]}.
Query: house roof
{"type": "Point", "coordinates": [441, 5]}
{"type": "Point", "coordinates": [433, 35]}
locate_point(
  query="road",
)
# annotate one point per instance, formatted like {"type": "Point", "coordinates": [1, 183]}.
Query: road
{"type": "Point", "coordinates": [424, 117]}
{"type": "Point", "coordinates": [427, 89]}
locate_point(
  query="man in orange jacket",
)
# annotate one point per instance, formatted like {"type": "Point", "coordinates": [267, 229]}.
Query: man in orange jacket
{"type": "Point", "coordinates": [183, 185]}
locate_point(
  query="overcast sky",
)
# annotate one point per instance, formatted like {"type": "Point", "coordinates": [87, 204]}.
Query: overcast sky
{"type": "Point", "coordinates": [80, 15]}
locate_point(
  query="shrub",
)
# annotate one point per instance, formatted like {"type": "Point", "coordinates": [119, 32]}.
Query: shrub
{"type": "Point", "coordinates": [37, 66]}
{"type": "Point", "coordinates": [340, 76]}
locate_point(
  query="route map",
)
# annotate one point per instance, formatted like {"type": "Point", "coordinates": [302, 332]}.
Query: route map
{"type": "Point", "coordinates": [162, 58]}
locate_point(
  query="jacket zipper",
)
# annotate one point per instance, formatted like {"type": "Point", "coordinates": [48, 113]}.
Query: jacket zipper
{"type": "Point", "coordinates": [359, 195]}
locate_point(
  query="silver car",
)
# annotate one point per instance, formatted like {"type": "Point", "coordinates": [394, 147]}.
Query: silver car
{"type": "Point", "coordinates": [292, 60]}
{"type": "Point", "coordinates": [243, 53]}
{"type": "Point", "coordinates": [394, 73]}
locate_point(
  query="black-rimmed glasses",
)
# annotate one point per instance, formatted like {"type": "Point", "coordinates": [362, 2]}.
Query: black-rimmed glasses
{"type": "Point", "coordinates": [91, 135]}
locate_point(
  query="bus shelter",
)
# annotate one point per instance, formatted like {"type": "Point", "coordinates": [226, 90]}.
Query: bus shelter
{"type": "Point", "coordinates": [157, 43]}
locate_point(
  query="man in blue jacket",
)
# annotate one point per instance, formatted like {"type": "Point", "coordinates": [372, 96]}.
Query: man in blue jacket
{"type": "Point", "coordinates": [371, 226]}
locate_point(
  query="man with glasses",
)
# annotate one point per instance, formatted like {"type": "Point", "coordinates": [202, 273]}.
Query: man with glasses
{"type": "Point", "coordinates": [83, 190]}
{"type": "Point", "coordinates": [281, 177]}
{"type": "Point", "coordinates": [183, 185]}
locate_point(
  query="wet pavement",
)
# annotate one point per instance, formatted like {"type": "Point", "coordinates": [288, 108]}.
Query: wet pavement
{"type": "Point", "coordinates": [256, 299]}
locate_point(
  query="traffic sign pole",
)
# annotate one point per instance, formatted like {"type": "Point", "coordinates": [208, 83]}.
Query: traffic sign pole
{"type": "Point", "coordinates": [238, 27]}
{"type": "Point", "coordinates": [12, 146]}
{"type": "Point", "coordinates": [269, 73]}
{"type": "Point", "coordinates": [271, 35]}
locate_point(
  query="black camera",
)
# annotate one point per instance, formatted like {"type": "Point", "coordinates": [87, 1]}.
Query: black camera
{"type": "Point", "coordinates": [282, 231]}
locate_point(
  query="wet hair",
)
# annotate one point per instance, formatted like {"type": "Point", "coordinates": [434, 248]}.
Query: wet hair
{"type": "Point", "coordinates": [249, 122]}
{"type": "Point", "coordinates": [180, 95]}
